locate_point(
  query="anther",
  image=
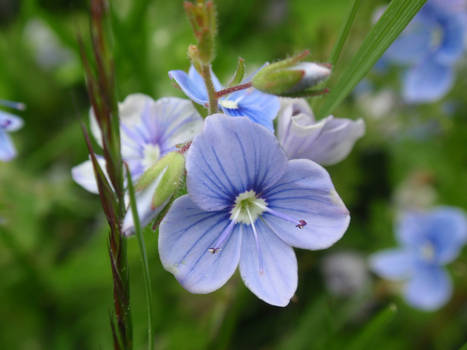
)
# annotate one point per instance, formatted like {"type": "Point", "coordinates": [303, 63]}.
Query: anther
{"type": "Point", "coordinates": [213, 250]}
{"type": "Point", "coordinates": [301, 224]}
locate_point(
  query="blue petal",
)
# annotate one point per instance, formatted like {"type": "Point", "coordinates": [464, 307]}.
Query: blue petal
{"type": "Point", "coordinates": [7, 150]}
{"type": "Point", "coordinates": [270, 272]}
{"type": "Point", "coordinates": [185, 236]}
{"type": "Point", "coordinates": [231, 156]}
{"type": "Point", "coordinates": [429, 289]}
{"type": "Point", "coordinates": [306, 192]}
{"type": "Point", "coordinates": [393, 264]}
{"type": "Point", "coordinates": [83, 175]}
{"type": "Point", "coordinates": [259, 107]}
{"type": "Point", "coordinates": [453, 42]}
{"type": "Point", "coordinates": [193, 85]}
{"type": "Point", "coordinates": [411, 229]}
{"type": "Point", "coordinates": [429, 81]}
{"type": "Point", "coordinates": [415, 42]}
{"type": "Point", "coordinates": [10, 122]}
{"type": "Point", "coordinates": [447, 231]}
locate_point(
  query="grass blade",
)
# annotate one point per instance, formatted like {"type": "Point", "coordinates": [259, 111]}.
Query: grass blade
{"type": "Point", "coordinates": [345, 31]}
{"type": "Point", "coordinates": [396, 17]}
{"type": "Point", "coordinates": [144, 258]}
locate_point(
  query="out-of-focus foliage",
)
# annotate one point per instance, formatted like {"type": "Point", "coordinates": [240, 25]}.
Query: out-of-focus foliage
{"type": "Point", "coordinates": [55, 289]}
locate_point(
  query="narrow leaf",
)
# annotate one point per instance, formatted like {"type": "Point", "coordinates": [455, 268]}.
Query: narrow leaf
{"type": "Point", "coordinates": [396, 17]}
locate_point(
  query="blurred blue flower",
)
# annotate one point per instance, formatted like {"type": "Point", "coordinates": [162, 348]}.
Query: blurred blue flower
{"type": "Point", "coordinates": [8, 123]}
{"type": "Point", "coordinates": [149, 130]}
{"type": "Point", "coordinates": [430, 46]}
{"type": "Point", "coordinates": [429, 240]}
{"type": "Point", "coordinates": [260, 107]}
{"type": "Point", "coordinates": [247, 206]}
{"type": "Point", "coordinates": [327, 141]}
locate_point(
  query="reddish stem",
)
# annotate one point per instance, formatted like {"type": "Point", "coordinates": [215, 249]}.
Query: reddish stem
{"type": "Point", "coordinates": [232, 89]}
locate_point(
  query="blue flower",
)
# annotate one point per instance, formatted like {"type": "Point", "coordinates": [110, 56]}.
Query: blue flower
{"type": "Point", "coordinates": [326, 142]}
{"type": "Point", "coordinates": [430, 46]}
{"type": "Point", "coordinates": [8, 123]}
{"type": "Point", "coordinates": [149, 130]}
{"type": "Point", "coordinates": [260, 107]}
{"type": "Point", "coordinates": [429, 240]}
{"type": "Point", "coordinates": [247, 206]}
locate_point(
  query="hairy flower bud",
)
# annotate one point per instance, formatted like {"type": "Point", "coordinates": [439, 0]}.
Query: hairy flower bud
{"type": "Point", "coordinates": [291, 77]}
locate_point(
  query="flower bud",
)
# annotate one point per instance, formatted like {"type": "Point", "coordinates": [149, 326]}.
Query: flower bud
{"type": "Point", "coordinates": [291, 77]}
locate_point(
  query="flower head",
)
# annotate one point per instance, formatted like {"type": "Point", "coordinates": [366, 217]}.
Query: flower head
{"type": "Point", "coordinates": [259, 107]}
{"type": "Point", "coordinates": [247, 206]}
{"type": "Point", "coordinates": [326, 142]}
{"type": "Point", "coordinates": [430, 46]}
{"type": "Point", "coordinates": [8, 123]}
{"type": "Point", "coordinates": [149, 130]}
{"type": "Point", "coordinates": [428, 241]}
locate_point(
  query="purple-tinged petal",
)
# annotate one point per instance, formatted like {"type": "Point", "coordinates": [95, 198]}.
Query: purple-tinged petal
{"type": "Point", "coordinates": [185, 236]}
{"type": "Point", "coordinates": [231, 156]}
{"type": "Point", "coordinates": [306, 192]}
{"type": "Point", "coordinates": [146, 211]}
{"type": "Point", "coordinates": [268, 266]}
{"type": "Point", "coordinates": [83, 175]}
{"type": "Point", "coordinates": [192, 84]}
{"type": "Point", "coordinates": [429, 289]}
{"type": "Point", "coordinates": [393, 264]}
{"type": "Point", "coordinates": [429, 81]}
{"type": "Point", "coordinates": [293, 108]}
{"type": "Point", "coordinates": [259, 107]}
{"type": "Point", "coordinates": [10, 122]}
{"type": "Point", "coordinates": [7, 150]}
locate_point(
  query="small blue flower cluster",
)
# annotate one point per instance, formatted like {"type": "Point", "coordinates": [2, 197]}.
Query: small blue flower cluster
{"type": "Point", "coordinates": [8, 123]}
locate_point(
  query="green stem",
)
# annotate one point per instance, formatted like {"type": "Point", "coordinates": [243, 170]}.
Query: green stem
{"type": "Point", "coordinates": [206, 73]}
{"type": "Point", "coordinates": [144, 259]}
{"type": "Point", "coordinates": [344, 33]}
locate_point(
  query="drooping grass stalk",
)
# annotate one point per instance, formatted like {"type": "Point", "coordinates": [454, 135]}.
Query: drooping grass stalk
{"type": "Point", "coordinates": [144, 258]}
{"type": "Point", "coordinates": [344, 33]}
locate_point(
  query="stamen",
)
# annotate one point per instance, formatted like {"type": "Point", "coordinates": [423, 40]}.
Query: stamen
{"type": "Point", "coordinates": [5, 124]}
{"type": "Point", "coordinates": [258, 248]}
{"type": "Point", "coordinates": [217, 246]}
{"type": "Point", "coordinates": [299, 224]}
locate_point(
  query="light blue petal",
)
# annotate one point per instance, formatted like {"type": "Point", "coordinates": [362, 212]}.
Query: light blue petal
{"type": "Point", "coordinates": [231, 156]}
{"type": "Point", "coordinates": [7, 150]}
{"type": "Point", "coordinates": [270, 272]}
{"type": "Point", "coordinates": [429, 289]}
{"type": "Point", "coordinates": [259, 107]}
{"type": "Point", "coordinates": [83, 175]}
{"type": "Point", "coordinates": [185, 236]}
{"type": "Point", "coordinates": [427, 82]}
{"type": "Point", "coordinates": [306, 192]}
{"type": "Point", "coordinates": [193, 85]}
{"type": "Point", "coordinates": [415, 42]}
{"type": "Point", "coordinates": [453, 41]}
{"type": "Point", "coordinates": [411, 229]}
{"type": "Point", "coordinates": [393, 264]}
{"type": "Point", "coordinates": [10, 122]}
{"type": "Point", "coordinates": [447, 231]}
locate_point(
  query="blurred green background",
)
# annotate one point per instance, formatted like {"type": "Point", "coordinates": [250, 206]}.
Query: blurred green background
{"type": "Point", "coordinates": [55, 285]}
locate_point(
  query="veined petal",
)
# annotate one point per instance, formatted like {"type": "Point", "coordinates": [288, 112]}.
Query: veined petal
{"type": "Point", "coordinates": [83, 175]}
{"type": "Point", "coordinates": [10, 122]}
{"type": "Point", "coordinates": [305, 192]}
{"type": "Point", "coordinates": [270, 272]}
{"type": "Point", "coordinates": [429, 289]}
{"type": "Point", "coordinates": [429, 81]}
{"type": "Point", "coordinates": [146, 211]}
{"type": "Point", "coordinates": [7, 150]}
{"type": "Point", "coordinates": [231, 156]}
{"type": "Point", "coordinates": [185, 236]}
{"type": "Point", "coordinates": [393, 264]}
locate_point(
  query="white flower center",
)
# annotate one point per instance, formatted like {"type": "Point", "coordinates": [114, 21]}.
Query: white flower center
{"type": "Point", "coordinates": [247, 208]}
{"type": "Point", "coordinates": [152, 154]}
{"type": "Point", "coordinates": [228, 104]}
{"type": "Point", "coordinates": [427, 251]}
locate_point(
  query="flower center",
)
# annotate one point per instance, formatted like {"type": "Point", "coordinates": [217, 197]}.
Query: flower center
{"type": "Point", "coordinates": [247, 208]}
{"type": "Point", "coordinates": [152, 154]}
{"type": "Point", "coordinates": [427, 251]}
{"type": "Point", "coordinates": [228, 104]}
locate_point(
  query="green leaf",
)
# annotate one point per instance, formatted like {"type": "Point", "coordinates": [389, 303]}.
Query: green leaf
{"type": "Point", "coordinates": [373, 329]}
{"type": "Point", "coordinates": [464, 347]}
{"type": "Point", "coordinates": [396, 17]}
